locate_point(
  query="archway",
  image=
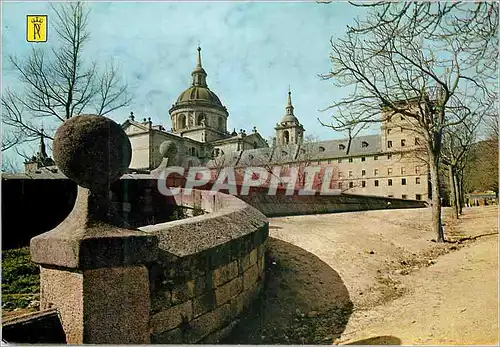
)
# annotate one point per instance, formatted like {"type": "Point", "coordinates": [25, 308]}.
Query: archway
{"type": "Point", "coordinates": [286, 137]}
{"type": "Point", "coordinates": [181, 121]}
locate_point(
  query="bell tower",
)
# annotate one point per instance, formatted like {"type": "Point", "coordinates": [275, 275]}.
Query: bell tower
{"type": "Point", "coordinates": [289, 130]}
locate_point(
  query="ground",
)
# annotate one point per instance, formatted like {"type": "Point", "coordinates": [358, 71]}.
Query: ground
{"type": "Point", "coordinates": [373, 277]}
{"type": "Point", "coordinates": [376, 277]}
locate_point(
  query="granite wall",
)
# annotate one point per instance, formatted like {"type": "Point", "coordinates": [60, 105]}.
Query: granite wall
{"type": "Point", "coordinates": [209, 270]}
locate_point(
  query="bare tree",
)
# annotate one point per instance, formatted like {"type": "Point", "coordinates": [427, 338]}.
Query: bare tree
{"type": "Point", "coordinates": [60, 83]}
{"type": "Point", "coordinates": [399, 58]}
{"type": "Point", "coordinates": [457, 143]}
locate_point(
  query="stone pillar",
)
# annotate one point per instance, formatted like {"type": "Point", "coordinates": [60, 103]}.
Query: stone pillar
{"type": "Point", "coordinates": [93, 265]}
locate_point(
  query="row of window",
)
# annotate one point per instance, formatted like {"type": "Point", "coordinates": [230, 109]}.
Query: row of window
{"type": "Point", "coordinates": [364, 144]}
{"type": "Point", "coordinates": [376, 183]}
{"type": "Point", "coordinates": [376, 172]}
{"type": "Point", "coordinates": [403, 142]}
{"type": "Point", "coordinates": [375, 157]}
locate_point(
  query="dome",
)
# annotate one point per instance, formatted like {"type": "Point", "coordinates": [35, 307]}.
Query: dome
{"type": "Point", "coordinates": [199, 93]}
{"type": "Point", "coordinates": [289, 118]}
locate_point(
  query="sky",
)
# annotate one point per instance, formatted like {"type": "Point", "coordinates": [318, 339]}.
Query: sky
{"type": "Point", "coordinates": [251, 51]}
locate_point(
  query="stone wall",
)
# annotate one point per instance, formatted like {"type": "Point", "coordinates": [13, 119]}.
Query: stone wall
{"type": "Point", "coordinates": [286, 205]}
{"type": "Point", "coordinates": [209, 269]}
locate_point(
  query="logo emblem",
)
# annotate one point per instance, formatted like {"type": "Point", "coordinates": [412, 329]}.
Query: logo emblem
{"type": "Point", "coordinates": [36, 29]}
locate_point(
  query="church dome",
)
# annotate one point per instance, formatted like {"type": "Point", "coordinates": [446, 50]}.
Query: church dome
{"type": "Point", "coordinates": [199, 93]}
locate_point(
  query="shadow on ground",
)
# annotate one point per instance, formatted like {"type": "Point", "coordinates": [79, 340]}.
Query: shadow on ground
{"type": "Point", "coordinates": [378, 340]}
{"type": "Point", "coordinates": [304, 301]}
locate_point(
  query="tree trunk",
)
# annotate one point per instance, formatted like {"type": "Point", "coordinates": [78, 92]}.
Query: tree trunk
{"type": "Point", "coordinates": [453, 192]}
{"type": "Point", "coordinates": [436, 197]}
{"type": "Point", "coordinates": [460, 182]}
{"type": "Point", "coordinates": [458, 201]}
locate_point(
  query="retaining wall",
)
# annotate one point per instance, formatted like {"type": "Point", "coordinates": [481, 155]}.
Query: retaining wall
{"type": "Point", "coordinates": [209, 269]}
{"type": "Point", "coordinates": [286, 205]}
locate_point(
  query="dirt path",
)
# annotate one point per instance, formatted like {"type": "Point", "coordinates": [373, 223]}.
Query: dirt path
{"type": "Point", "coordinates": [454, 301]}
{"type": "Point", "coordinates": [403, 286]}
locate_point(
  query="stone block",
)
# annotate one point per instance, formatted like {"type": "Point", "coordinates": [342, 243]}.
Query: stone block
{"type": "Point", "coordinates": [161, 300]}
{"type": "Point", "coordinates": [262, 264]}
{"type": "Point", "coordinates": [208, 323]}
{"type": "Point", "coordinates": [204, 303]}
{"type": "Point", "coordinates": [188, 289]}
{"type": "Point", "coordinates": [116, 305]}
{"type": "Point", "coordinates": [248, 260]}
{"type": "Point", "coordinates": [261, 249]}
{"type": "Point", "coordinates": [250, 277]}
{"type": "Point", "coordinates": [243, 301]}
{"type": "Point", "coordinates": [172, 318]}
{"type": "Point", "coordinates": [220, 334]}
{"type": "Point", "coordinates": [174, 336]}
{"type": "Point", "coordinates": [225, 273]}
{"type": "Point", "coordinates": [229, 290]}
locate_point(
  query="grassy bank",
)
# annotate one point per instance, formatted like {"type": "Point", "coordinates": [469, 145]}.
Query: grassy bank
{"type": "Point", "coordinates": [20, 279]}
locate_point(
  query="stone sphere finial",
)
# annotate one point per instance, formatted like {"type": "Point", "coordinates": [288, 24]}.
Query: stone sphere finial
{"type": "Point", "coordinates": [168, 149]}
{"type": "Point", "coordinates": [92, 150]}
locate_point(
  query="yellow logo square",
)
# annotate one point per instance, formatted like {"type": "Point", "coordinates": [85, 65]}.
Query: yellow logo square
{"type": "Point", "coordinates": [36, 29]}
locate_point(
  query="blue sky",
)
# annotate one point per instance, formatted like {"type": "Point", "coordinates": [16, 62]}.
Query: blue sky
{"type": "Point", "coordinates": [252, 52]}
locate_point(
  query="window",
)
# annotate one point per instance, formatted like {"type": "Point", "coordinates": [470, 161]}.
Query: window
{"type": "Point", "coordinates": [417, 180]}
{"type": "Point", "coordinates": [341, 147]}
{"type": "Point", "coordinates": [364, 144]}
{"type": "Point", "coordinates": [350, 160]}
{"type": "Point", "coordinates": [339, 161]}
{"type": "Point", "coordinates": [363, 159]}
{"type": "Point", "coordinates": [181, 122]}
{"type": "Point", "coordinates": [390, 196]}
{"type": "Point", "coordinates": [403, 181]}
{"type": "Point", "coordinates": [341, 175]}
{"type": "Point", "coordinates": [418, 197]}
{"type": "Point", "coordinates": [286, 137]}
{"type": "Point", "coordinates": [321, 149]}
{"type": "Point", "coordinates": [403, 142]}
{"type": "Point", "coordinates": [375, 158]}
{"type": "Point", "coordinates": [401, 129]}
{"type": "Point", "coordinates": [403, 171]}
{"type": "Point", "coordinates": [389, 144]}
{"type": "Point", "coordinates": [402, 118]}
{"type": "Point", "coordinates": [350, 174]}
{"type": "Point", "coordinates": [417, 141]}
{"type": "Point", "coordinates": [351, 184]}
{"type": "Point", "coordinates": [340, 185]}
{"type": "Point", "coordinates": [376, 183]}
{"type": "Point", "coordinates": [417, 170]}
{"type": "Point", "coordinates": [389, 156]}
{"type": "Point", "coordinates": [363, 172]}
{"type": "Point", "coordinates": [404, 196]}
{"type": "Point", "coordinates": [375, 172]}
{"type": "Point", "coordinates": [389, 131]}
{"type": "Point", "coordinates": [200, 119]}
{"type": "Point", "coordinates": [363, 184]}
{"type": "Point", "coordinates": [389, 182]}
{"type": "Point", "coordinates": [389, 171]}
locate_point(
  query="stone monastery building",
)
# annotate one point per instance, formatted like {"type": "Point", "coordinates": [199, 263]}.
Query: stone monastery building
{"type": "Point", "coordinates": [387, 164]}
{"type": "Point", "coordinates": [384, 165]}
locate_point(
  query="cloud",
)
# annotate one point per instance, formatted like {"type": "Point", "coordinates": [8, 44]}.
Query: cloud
{"type": "Point", "coordinates": [251, 51]}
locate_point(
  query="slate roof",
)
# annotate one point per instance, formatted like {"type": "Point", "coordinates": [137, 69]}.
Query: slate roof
{"type": "Point", "coordinates": [320, 150]}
